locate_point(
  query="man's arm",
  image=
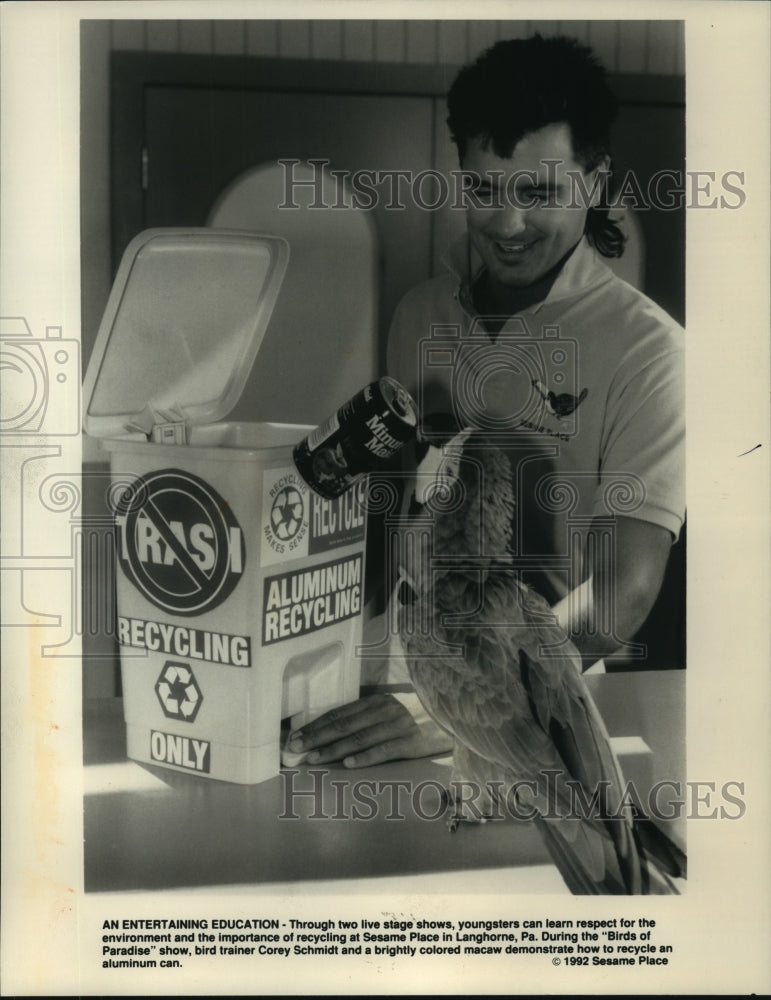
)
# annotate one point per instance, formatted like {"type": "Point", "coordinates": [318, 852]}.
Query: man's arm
{"type": "Point", "coordinates": [622, 583]}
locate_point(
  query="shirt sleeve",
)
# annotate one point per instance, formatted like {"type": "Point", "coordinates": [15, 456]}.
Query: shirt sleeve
{"type": "Point", "coordinates": [643, 455]}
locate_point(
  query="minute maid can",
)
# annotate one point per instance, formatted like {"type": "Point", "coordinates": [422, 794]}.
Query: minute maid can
{"type": "Point", "coordinates": [358, 438]}
{"type": "Point", "coordinates": [239, 590]}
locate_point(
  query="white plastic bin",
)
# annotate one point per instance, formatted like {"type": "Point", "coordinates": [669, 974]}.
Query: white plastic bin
{"type": "Point", "coordinates": [239, 590]}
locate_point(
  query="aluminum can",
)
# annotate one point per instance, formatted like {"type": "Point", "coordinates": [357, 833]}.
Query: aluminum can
{"type": "Point", "coordinates": [359, 438]}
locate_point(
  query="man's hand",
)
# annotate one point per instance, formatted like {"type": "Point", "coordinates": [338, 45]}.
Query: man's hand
{"type": "Point", "coordinates": [369, 731]}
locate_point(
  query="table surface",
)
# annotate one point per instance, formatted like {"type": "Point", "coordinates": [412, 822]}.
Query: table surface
{"type": "Point", "coordinates": [149, 828]}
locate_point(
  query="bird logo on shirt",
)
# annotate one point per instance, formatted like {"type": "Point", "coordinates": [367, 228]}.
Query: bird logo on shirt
{"type": "Point", "coordinates": [562, 404]}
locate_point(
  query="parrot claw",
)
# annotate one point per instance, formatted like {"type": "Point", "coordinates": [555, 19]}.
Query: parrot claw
{"type": "Point", "coordinates": [454, 820]}
{"type": "Point", "coordinates": [456, 813]}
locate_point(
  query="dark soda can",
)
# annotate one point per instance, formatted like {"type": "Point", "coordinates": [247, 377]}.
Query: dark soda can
{"type": "Point", "coordinates": [359, 438]}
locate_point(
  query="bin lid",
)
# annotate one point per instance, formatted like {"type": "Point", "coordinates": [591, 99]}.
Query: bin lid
{"type": "Point", "coordinates": [183, 325]}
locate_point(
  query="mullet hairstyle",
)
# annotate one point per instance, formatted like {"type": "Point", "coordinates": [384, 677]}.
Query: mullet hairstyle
{"type": "Point", "coordinates": [522, 85]}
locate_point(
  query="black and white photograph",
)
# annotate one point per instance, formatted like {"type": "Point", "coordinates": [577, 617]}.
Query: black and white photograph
{"type": "Point", "coordinates": [385, 498]}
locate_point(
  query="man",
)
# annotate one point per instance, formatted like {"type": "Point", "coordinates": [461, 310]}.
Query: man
{"type": "Point", "coordinates": [531, 337]}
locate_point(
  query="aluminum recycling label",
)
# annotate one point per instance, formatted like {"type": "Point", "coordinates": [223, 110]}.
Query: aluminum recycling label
{"type": "Point", "coordinates": [179, 542]}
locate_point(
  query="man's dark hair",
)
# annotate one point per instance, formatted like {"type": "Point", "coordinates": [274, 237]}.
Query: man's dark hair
{"type": "Point", "coordinates": [519, 86]}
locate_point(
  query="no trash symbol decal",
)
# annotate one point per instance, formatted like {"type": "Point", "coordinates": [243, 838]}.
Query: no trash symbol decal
{"type": "Point", "coordinates": [179, 542]}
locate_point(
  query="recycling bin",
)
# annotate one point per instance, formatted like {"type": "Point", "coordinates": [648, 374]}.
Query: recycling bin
{"type": "Point", "coordinates": [239, 590]}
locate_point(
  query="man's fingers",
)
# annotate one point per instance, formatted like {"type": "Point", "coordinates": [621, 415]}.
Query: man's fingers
{"type": "Point", "coordinates": [348, 721]}
{"type": "Point", "coordinates": [364, 739]}
{"type": "Point", "coordinates": [400, 748]}
{"type": "Point", "coordinates": [350, 708]}
{"type": "Point", "coordinates": [369, 731]}
{"type": "Point", "coordinates": [421, 740]}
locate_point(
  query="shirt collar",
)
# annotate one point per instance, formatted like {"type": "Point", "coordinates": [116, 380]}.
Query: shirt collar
{"type": "Point", "coordinates": [582, 270]}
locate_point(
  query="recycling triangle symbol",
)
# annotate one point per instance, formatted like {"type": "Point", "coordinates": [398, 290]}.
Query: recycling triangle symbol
{"type": "Point", "coordinates": [178, 692]}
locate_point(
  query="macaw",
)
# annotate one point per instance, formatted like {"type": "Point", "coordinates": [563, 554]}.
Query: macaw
{"type": "Point", "coordinates": [491, 665]}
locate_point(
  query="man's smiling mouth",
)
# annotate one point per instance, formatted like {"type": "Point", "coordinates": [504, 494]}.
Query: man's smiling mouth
{"type": "Point", "coordinates": [511, 249]}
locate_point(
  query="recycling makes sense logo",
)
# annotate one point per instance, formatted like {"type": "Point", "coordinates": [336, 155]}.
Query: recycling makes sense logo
{"type": "Point", "coordinates": [178, 692]}
{"type": "Point", "coordinates": [286, 520]}
{"type": "Point", "coordinates": [287, 513]}
{"type": "Point", "coordinates": [179, 542]}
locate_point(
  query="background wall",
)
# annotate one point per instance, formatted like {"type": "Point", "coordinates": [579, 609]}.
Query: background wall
{"type": "Point", "coordinates": [624, 47]}
{"type": "Point", "coordinates": [653, 47]}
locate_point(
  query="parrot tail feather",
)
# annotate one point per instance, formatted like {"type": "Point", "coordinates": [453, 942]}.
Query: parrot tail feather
{"type": "Point", "coordinates": [570, 866]}
{"type": "Point", "coordinates": [668, 857]}
{"type": "Point", "coordinates": [646, 868]}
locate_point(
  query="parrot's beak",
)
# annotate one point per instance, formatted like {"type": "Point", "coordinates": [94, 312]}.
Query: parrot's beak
{"type": "Point", "coordinates": [440, 467]}
{"type": "Point", "coordinates": [427, 474]}
{"type": "Point", "coordinates": [406, 593]}
{"type": "Point", "coordinates": [456, 445]}
{"type": "Point", "coordinates": [406, 590]}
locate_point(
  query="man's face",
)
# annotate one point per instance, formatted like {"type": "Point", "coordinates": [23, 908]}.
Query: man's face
{"type": "Point", "coordinates": [521, 244]}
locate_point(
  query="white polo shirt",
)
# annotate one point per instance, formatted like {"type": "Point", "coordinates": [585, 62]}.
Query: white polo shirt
{"type": "Point", "coordinates": [584, 390]}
